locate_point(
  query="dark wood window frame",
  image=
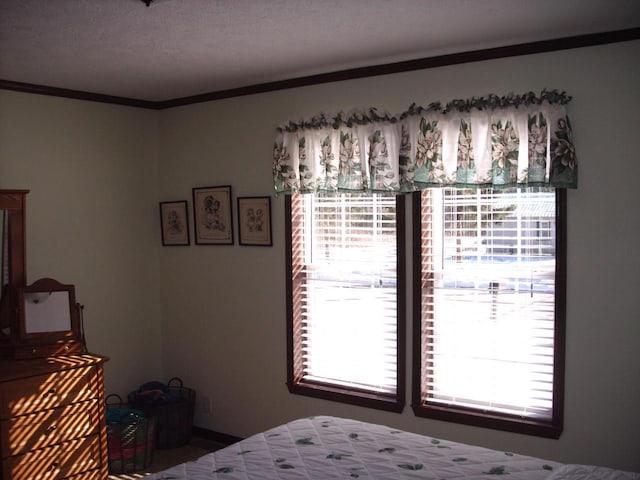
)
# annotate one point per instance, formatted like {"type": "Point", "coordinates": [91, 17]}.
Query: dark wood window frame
{"type": "Point", "coordinates": [476, 417]}
{"type": "Point", "coordinates": [297, 384]}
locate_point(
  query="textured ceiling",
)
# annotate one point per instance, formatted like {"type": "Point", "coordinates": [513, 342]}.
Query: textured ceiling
{"type": "Point", "coordinates": [180, 48]}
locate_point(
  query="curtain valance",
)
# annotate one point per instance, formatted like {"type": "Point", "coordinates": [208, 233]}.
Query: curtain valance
{"type": "Point", "coordinates": [498, 142]}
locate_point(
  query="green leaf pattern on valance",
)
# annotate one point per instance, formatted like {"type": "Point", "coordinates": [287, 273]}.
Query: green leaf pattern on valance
{"type": "Point", "coordinates": [498, 142]}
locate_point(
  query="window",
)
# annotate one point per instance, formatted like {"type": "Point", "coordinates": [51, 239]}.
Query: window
{"type": "Point", "coordinates": [345, 298]}
{"type": "Point", "coordinates": [489, 282]}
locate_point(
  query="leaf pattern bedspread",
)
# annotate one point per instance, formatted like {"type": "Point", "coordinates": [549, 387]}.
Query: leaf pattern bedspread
{"type": "Point", "coordinates": [322, 448]}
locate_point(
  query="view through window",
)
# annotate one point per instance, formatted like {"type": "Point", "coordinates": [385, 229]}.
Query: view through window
{"type": "Point", "coordinates": [346, 297]}
{"type": "Point", "coordinates": [489, 308]}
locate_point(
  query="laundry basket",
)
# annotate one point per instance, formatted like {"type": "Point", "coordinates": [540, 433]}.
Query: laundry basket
{"type": "Point", "coordinates": [130, 437]}
{"type": "Point", "coordinates": [172, 405]}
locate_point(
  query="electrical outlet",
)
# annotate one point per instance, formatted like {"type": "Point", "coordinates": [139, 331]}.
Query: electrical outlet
{"type": "Point", "coordinates": [205, 404]}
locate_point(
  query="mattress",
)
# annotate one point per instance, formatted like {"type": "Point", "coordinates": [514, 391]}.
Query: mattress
{"type": "Point", "coordinates": [323, 447]}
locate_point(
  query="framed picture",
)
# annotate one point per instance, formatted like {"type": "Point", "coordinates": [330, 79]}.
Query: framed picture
{"type": "Point", "coordinates": [175, 223]}
{"type": "Point", "coordinates": [254, 221]}
{"type": "Point", "coordinates": [212, 215]}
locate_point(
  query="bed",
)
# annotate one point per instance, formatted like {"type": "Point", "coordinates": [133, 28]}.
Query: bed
{"type": "Point", "coordinates": [323, 448]}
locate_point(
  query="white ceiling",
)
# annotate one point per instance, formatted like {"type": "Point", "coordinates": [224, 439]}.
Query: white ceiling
{"type": "Point", "coordinates": [180, 48]}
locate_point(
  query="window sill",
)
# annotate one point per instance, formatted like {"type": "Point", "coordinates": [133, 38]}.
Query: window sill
{"type": "Point", "coordinates": [526, 426]}
{"type": "Point", "coordinates": [390, 403]}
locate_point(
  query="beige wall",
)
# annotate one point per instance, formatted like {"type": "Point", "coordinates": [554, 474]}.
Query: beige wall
{"type": "Point", "coordinates": [222, 308]}
{"type": "Point", "coordinates": [92, 218]}
{"type": "Point", "coordinates": [225, 305]}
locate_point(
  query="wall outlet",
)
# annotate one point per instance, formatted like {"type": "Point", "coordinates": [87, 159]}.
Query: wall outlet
{"type": "Point", "coordinates": [205, 404]}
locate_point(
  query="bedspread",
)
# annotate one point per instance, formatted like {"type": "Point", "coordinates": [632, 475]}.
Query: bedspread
{"type": "Point", "coordinates": [322, 448]}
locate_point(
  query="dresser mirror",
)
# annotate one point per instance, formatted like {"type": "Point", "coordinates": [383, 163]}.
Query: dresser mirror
{"type": "Point", "coordinates": [48, 312]}
{"type": "Point", "coordinates": [12, 255]}
{"type": "Point", "coordinates": [4, 267]}
{"type": "Point", "coordinates": [4, 243]}
{"type": "Point", "coordinates": [38, 320]}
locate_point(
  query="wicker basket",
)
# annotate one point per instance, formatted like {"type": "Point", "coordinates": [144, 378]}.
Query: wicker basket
{"type": "Point", "coordinates": [130, 437]}
{"type": "Point", "coordinates": [174, 414]}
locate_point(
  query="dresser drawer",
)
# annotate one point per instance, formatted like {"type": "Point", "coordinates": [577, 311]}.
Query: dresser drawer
{"type": "Point", "coordinates": [29, 395]}
{"type": "Point", "coordinates": [90, 475]}
{"type": "Point", "coordinates": [57, 462]}
{"type": "Point", "coordinates": [48, 427]}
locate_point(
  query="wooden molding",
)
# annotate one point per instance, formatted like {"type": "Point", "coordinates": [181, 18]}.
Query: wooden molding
{"type": "Point", "coordinates": [214, 436]}
{"type": "Point", "coordinates": [531, 48]}
{"type": "Point", "coordinates": [75, 94]}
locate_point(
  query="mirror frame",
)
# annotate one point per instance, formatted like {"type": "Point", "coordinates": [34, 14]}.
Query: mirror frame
{"type": "Point", "coordinates": [49, 285]}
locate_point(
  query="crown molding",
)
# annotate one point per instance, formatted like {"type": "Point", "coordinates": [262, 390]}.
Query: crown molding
{"type": "Point", "coordinates": [76, 94]}
{"type": "Point", "coordinates": [579, 41]}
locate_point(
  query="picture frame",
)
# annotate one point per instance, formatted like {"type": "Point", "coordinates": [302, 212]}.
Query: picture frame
{"type": "Point", "coordinates": [212, 215]}
{"type": "Point", "coordinates": [254, 221]}
{"type": "Point", "coordinates": [174, 223]}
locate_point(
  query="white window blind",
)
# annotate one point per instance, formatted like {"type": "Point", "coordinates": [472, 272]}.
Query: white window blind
{"type": "Point", "coordinates": [345, 291]}
{"type": "Point", "coordinates": [488, 300]}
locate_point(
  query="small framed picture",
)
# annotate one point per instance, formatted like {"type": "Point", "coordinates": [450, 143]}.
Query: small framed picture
{"type": "Point", "coordinates": [174, 223]}
{"type": "Point", "coordinates": [254, 221]}
{"type": "Point", "coordinates": [212, 215]}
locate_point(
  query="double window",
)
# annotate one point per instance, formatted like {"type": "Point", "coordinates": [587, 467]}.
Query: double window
{"type": "Point", "coordinates": [488, 304]}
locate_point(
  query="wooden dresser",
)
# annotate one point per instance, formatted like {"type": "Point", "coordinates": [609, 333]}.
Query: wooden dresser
{"type": "Point", "coordinates": [52, 416]}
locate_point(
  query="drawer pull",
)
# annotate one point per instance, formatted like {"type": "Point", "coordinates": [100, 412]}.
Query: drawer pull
{"type": "Point", "coordinates": [51, 429]}
{"type": "Point", "coordinates": [51, 391]}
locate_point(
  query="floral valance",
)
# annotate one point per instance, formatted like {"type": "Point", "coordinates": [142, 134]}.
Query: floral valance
{"type": "Point", "coordinates": [498, 142]}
